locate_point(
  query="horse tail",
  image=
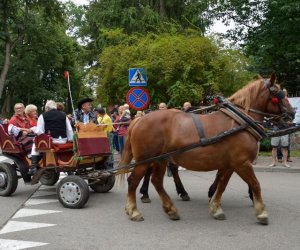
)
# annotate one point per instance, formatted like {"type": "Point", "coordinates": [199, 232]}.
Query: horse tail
{"type": "Point", "coordinates": [127, 155]}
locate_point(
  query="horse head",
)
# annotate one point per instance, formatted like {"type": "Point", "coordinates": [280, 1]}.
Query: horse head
{"type": "Point", "coordinates": [264, 98]}
{"type": "Point", "coordinates": [277, 102]}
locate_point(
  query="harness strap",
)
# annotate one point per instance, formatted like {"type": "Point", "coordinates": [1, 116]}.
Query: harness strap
{"type": "Point", "coordinates": [246, 118]}
{"type": "Point", "coordinates": [199, 127]}
{"type": "Point", "coordinates": [122, 169]}
{"type": "Point", "coordinates": [240, 121]}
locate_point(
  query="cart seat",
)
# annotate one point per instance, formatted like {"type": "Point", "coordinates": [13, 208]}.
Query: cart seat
{"type": "Point", "coordinates": [91, 140]}
{"type": "Point", "coordinates": [8, 143]}
{"type": "Point", "coordinates": [43, 143]}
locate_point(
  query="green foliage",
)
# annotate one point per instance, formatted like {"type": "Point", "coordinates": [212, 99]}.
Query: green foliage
{"type": "Point", "coordinates": [41, 53]}
{"type": "Point", "coordinates": [275, 43]}
{"type": "Point", "coordinates": [180, 68]}
{"type": "Point", "coordinates": [265, 145]}
{"type": "Point", "coordinates": [269, 32]}
{"type": "Point", "coordinates": [140, 17]}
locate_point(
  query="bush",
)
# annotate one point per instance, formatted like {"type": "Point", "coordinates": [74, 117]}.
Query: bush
{"type": "Point", "coordinates": [265, 145]}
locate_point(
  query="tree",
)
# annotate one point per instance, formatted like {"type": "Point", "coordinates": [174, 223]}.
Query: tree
{"type": "Point", "coordinates": [268, 31]}
{"type": "Point", "coordinates": [275, 43]}
{"type": "Point", "coordinates": [140, 17]}
{"type": "Point", "coordinates": [180, 68]}
{"type": "Point", "coordinates": [39, 53]}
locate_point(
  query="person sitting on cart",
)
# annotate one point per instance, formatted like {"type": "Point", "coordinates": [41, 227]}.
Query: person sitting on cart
{"type": "Point", "coordinates": [19, 124]}
{"type": "Point", "coordinates": [55, 123]}
{"type": "Point", "coordinates": [84, 112]}
{"type": "Point", "coordinates": [21, 127]}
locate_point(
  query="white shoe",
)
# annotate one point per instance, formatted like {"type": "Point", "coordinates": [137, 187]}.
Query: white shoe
{"type": "Point", "coordinates": [181, 168]}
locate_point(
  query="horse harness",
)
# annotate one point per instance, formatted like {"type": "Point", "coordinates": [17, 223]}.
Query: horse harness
{"type": "Point", "coordinates": [237, 115]}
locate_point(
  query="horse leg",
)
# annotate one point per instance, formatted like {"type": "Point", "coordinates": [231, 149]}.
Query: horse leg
{"type": "Point", "coordinates": [212, 189]}
{"type": "Point", "coordinates": [178, 184]}
{"type": "Point", "coordinates": [144, 188]}
{"type": "Point", "coordinates": [248, 175]}
{"type": "Point", "coordinates": [157, 180]}
{"type": "Point", "coordinates": [250, 193]}
{"type": "Point", "coordinates": [215, 203]}
{"type": "Point", "coordinates": [133, 182]}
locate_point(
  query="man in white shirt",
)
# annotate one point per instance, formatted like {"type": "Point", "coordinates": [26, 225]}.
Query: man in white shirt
{"type": "Point", "coordinates": [54, 123]}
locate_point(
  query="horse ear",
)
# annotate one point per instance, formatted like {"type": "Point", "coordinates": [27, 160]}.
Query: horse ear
{"type": "Point", "coordinates": [259, 77]}
{"type": "Point", "coordinates": [273, 79]}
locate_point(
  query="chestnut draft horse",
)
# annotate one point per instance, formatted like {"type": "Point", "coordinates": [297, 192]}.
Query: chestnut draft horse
{"type": "Point", "coordinates": [170, 130]}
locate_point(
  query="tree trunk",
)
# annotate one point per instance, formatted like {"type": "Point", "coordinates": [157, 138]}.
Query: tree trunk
{"type": "Point", "coordinates": [8, 48]}
{"type": "Point", "coordinates": [162, 9]}
{"type": "Point", "coordinates": [5, 111]}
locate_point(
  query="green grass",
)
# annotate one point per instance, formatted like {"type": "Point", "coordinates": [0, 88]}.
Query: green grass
{"type": "Point", "coordinates": [294, 153]}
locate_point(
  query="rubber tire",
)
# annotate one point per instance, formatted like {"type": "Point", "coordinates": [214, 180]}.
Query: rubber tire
{"type": "Point", "coordinates": [103, 188]}
{"type": "Point", "coordinates": [12, 177]}
{"type": "Point", "coordinates": [84, 190]}
{"type": "Point", "coordinates": [49, 178]}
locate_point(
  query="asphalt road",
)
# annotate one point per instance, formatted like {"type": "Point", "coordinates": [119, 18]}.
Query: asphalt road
{"type": "Point", "coordinates": [43, 223]}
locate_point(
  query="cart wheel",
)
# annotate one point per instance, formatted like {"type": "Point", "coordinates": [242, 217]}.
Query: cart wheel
{"type": "Point", "coordinates": [104, 185]}
{"type": "Point", "coordinates": [8, 179]}
{"type": "Point", "coordinates": [73, 192]}
{"type": "Point", "coordinates": [49, 177]}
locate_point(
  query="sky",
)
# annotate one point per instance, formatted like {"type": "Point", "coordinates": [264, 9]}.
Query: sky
{"type": "Point", "coordinates": [218, 26]}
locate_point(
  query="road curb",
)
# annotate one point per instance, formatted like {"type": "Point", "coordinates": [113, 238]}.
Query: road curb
{"type": "Point", "coordinates": [276, 169]}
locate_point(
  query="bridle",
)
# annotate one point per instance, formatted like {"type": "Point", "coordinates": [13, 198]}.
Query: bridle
{"type": "Point", "coordinates": [276, 96]}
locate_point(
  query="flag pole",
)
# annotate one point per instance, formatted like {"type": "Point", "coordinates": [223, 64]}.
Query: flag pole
{"type": "Point", "coordinates": [67, 76]}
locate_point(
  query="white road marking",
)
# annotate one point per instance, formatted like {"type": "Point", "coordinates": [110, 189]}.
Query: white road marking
{"type": "Point", "coordinates": [26, 212]}
{"type": "Point", "coordinates": [19, 244]}
{"type": "Point", "coordinates": [32, 202]}
{"type": "Point", "coordinates": [15, 226]}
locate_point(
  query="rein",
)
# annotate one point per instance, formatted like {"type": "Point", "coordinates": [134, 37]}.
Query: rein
{"type": "Point", "coordinates": [264, 113]}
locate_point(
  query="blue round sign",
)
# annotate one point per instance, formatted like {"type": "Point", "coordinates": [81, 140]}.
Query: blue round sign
{"type": "Point", "coordinates": [138, 98]}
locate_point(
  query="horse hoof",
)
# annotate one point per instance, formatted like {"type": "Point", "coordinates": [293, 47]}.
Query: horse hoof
{"type": "Point", "coordinates": [145, 200]}
{"type": "Point", "coordinates": [185, 197]}
{"type": "Point", "coordinates": [219, 215]}
{"type": "Point", "coordinates": [263, 218]}
{"type": "Point", "coordinates": [174, 216]}
{"type": "Point", "coordinates": [138, 217]}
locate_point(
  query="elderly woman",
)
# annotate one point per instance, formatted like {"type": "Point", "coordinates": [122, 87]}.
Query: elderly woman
{"type": "Point", "coordinates": [31, 113]}
{"type": "Point", "coordinates": [19, 124]}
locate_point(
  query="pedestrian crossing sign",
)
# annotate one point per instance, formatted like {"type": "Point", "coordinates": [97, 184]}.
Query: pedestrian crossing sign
{"type": "Point", "coordinates": [137, 77]}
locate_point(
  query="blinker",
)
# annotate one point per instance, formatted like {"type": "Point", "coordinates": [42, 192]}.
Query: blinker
{"type": "Point", "coordinates": [280, 95]}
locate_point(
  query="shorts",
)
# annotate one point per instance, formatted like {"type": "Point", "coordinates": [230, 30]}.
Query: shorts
{"type": "Point", "coordinates": [282, 141]}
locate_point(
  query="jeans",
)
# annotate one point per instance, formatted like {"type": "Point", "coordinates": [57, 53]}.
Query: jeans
{"type": "Point", "coordinates": [116, 141]}
{"type": "Point", "coordinates": [121, 140]}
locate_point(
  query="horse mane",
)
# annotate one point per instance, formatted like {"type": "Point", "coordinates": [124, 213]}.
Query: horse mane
{"type": "Point", "coordinates": [245, 96]}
